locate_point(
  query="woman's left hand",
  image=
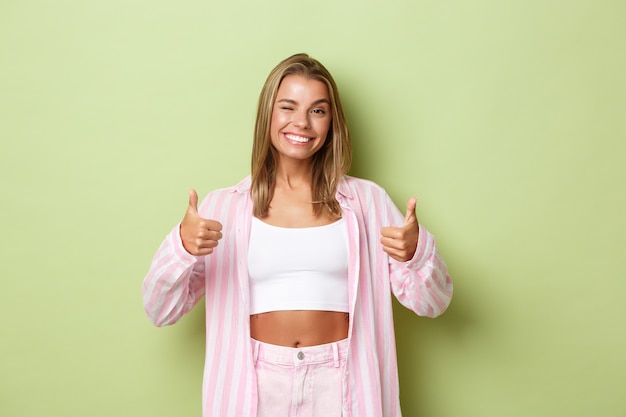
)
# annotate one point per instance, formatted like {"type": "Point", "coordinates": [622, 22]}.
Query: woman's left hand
{"type": "Point", "coordinates": [401, 242]}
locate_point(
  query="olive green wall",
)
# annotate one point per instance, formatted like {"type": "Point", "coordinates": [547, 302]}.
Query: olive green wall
{"type": "Point", "coordinates": [505, 118]}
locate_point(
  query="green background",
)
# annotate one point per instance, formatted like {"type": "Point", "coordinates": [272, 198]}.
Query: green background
{"type": "Point", "coordinates": [507, 119]}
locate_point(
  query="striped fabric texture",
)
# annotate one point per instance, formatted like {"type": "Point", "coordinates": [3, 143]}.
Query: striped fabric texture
{"type": "Point", "coordinates": [177, 281]}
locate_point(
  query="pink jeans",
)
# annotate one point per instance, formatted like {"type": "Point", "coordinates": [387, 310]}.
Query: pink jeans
{"type": "Point", "coordinates": [300, 382]}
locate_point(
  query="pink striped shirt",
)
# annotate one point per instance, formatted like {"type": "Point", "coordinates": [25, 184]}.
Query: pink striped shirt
{"type": "Point", "coordinates": [177, 281]}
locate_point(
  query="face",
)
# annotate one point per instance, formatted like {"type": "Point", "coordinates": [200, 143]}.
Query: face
{"type": "Point", "coordinates": [301, 118]}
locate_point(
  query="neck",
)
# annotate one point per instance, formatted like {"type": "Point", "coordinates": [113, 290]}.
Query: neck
{"type": "Point", "coordinates": [293, 175]}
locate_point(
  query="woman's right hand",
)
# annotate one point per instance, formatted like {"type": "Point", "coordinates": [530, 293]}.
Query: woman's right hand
{"type": "Point", "coordinates": [199, 236]}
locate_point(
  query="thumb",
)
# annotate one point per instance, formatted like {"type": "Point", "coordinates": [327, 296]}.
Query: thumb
{"type": "Point", "coordinates": [193, 202]}
{"type": "Point", "coordinates": [410, 216]}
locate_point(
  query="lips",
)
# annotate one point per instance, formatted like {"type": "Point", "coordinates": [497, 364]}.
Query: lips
{"type": "Point", "coordinates": [297, 138]}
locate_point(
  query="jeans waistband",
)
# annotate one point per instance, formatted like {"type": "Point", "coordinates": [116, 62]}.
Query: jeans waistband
{"type": "Point", "coordinates": [334, 353]}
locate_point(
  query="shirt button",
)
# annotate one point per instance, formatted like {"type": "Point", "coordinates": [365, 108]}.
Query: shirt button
{"type": "Point", "coordinates": [300, 355]}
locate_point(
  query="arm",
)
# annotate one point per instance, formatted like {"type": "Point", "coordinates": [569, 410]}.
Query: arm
{"type": "Point", "coordinates": [422, 284]}
{"type": "Point", "coordinates": [418, 274]}
{"type": "Point", "coordinates": [176, 280]}
{"type": "Point", "coordinates": [174, 283]}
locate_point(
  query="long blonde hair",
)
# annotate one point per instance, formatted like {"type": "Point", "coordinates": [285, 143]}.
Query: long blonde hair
{"type": "Point", "coordinates": [329, 164]}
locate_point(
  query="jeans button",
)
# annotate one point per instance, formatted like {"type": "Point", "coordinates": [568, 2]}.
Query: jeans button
{"type": "Point", "coordinates": [300, 355]}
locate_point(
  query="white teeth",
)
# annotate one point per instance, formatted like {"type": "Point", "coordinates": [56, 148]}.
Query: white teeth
{"type": "Point", "coordinates": [297, 138]}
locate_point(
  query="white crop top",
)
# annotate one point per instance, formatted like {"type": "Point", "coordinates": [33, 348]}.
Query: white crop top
{"type": "Point", "coordinates": [298, 268]}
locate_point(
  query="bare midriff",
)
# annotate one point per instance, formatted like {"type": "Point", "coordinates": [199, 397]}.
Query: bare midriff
{"type": "Point", "coordinates": [299, 328]}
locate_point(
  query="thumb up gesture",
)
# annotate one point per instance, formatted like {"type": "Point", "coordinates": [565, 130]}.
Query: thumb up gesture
{"type": "Point", "coordinates": [401, 242]}
{"type": "Point", "coordinates": [199, 236]}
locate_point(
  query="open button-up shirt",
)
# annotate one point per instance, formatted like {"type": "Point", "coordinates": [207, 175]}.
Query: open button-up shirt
{"type": "Point", "coordinates": [177, 281]}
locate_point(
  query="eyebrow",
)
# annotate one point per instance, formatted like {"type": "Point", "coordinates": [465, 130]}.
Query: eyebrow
{"type": "Point", "coordinates": [315, 103]}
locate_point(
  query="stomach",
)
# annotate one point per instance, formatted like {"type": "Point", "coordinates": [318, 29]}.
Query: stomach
{"type": "Point", "coordinates": [299, 328]}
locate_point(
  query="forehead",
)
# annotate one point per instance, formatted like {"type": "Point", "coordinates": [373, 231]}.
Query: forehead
{"type": "Point", "coordinates": [303, 88]}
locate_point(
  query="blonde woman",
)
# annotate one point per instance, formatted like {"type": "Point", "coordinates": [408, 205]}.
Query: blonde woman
{"type": "Point", "coordinates": [297, 264]}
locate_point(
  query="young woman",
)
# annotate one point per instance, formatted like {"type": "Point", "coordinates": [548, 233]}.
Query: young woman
{"type": "Point", "coordinates": [297, 264]}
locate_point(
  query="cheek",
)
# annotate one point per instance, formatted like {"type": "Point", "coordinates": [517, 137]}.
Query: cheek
{"type": "Point", "coordinates": [323, 127]}
{"type": "Point", "coordinates": [277, 121]}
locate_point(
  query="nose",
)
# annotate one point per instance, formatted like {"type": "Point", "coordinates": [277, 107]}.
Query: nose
{"type": "Point", "coordinates": [301, 119]}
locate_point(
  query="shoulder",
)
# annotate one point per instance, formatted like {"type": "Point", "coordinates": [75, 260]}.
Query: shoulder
{"type": "Point", "coordinates": [364, 195]}
{"type": "Point", "coordinates": [369, 201]}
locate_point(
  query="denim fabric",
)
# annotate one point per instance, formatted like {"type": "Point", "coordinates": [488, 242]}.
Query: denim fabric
{"type": "Point", "coordinates": [300, 382]}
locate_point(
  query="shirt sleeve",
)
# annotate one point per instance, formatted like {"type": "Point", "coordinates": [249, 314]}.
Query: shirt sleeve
{"type": "Point", "coordinates": [175, 282]}
{"type": "Point", "coordinates": [421, 284]}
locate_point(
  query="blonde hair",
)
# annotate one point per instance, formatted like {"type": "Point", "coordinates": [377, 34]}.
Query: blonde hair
{"type": "Point", "coordinates": [329, 164]}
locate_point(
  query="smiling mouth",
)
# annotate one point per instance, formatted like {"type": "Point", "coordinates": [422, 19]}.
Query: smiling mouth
{"type": "Point", "coordinates": [296, 138]}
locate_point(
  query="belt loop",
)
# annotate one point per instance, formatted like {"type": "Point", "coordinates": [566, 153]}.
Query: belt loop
{"type": "Point", "coordinates": [335, 355]}
{"type": "Point", "coordinates": [257, 346]}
